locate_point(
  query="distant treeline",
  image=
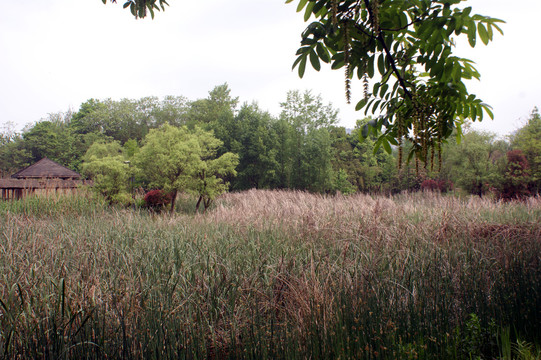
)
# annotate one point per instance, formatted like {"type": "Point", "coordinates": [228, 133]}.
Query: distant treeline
{"type": "Point", "coordinates": [302, 148]}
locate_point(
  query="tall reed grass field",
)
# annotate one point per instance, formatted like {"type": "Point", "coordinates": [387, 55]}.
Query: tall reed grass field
{"type": "Point", "coordinates": [272, 275]}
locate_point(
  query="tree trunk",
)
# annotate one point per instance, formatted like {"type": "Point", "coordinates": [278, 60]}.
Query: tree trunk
{"type": "Point", "coordinates": [207, 203]}
{"type": "Point", "coordinates": [173, 198]}
{"type": "Point", "coordinates": [198, 203]}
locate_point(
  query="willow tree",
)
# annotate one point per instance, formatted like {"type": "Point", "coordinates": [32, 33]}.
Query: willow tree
{"type": "Point", "coordinates": [168, 158]}
{"type": "Point", "coordinates": [208, 179]}
{"type": "Point", "coordinates": [178, 159]}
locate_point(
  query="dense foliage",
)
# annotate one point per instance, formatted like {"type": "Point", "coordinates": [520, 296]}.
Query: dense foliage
{"type": "Point", "coordinates": [302, 148]}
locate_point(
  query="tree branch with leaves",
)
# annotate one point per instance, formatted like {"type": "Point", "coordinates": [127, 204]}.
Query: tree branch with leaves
{"type": "Point", "coordinates": [419, 88]}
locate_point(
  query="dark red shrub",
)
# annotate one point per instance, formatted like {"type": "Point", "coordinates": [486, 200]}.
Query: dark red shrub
{"type": "Point", "coordinates": [437, 185]}
{"type": "Point", "coordinates": [445, 185]}
{"type": "Point", "coordinates": [157, 199]}
{"type": "Point", "coordinates": [430, 185]}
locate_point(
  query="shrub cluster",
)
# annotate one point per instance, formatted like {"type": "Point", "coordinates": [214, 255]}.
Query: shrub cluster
{"type": "Point", "coordinates": [157, 199]}
{"type": "Point", "coordinates": [440, 185]}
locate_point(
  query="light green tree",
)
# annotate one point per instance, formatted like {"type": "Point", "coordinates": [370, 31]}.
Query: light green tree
{"type": "Point", "coordinates": [341, 183]}
{"type": "Point", "coordinates": [477, 163]}
{"type": "Point", "coordinates": [307, 111]}
{"type": "Point", "coordinates": [177, 159]}
{"type": "Point", "coordinates": [207, 179]}
{"type": "Point", "coordinates": [106, 165]}
{"type": "Point", "coordinates": [168, 158]}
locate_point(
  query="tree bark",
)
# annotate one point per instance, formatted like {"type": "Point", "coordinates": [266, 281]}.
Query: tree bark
{"type": "Point", "coordinates": [173, 198]}
{"type": "Point", "coordinates": [198, 203]}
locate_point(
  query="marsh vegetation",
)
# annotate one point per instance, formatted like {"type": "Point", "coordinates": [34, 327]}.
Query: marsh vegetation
{"type": "Point", "coordinates": [272, 274]}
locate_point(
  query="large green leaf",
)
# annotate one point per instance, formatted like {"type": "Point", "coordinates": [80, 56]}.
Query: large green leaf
{"type": "Point", "coordinates": [483, 34]}
{"type": "Point", "coordinates": [314, 60]}
{"type": "Point", "coordinates": [302, 66]}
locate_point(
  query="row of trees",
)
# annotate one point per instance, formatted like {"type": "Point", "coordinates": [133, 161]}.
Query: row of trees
{"type": "Point", "coordinates": [300, 149]}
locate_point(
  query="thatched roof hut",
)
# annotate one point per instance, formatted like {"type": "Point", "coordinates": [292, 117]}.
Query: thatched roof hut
{"type": "Point", "coordinates": [47, 169]}
{"type": "Point", "coordinates": [43, 177]}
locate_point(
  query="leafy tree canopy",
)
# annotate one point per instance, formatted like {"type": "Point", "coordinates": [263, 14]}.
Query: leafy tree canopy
{"type": "Point", "coordinates": [406, 48]}
{"type": "Point", "coordinates": [168, 157]}
{"type": "Point", "coordinates": [207, 178]}
{"type": "Point", "coordinates": [176, 159]}
{"type": "Point", "coordinates": [105, 164]}
{"type": "Point", "coordinates": [307, 111]}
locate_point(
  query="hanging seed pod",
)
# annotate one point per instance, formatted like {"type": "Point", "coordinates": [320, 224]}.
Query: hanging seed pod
{"type": "Point", "coordinates": [334, 10]}
{"type": "Point", "coordinates": [346, 62]}
{"type": "Point", "coordinates": [348, 85]}
{"type": "Point", "coordinates": [365, 85]}
{"type": "Point", "coordinates": [357, 10]}
{"type": "Point", "coordinates": [400, 135]}
{"type": "Point", "coordinates": [375, 16]}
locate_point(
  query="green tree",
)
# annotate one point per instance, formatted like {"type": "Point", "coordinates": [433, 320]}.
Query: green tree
{"type": "Point", "coordinates": [316, 165]}
{"type": "Point", "coordinates": [13, 154]}
{"type": "Point", "coordinates": [130, 148]}
{"type": "Point", "coordinates": [285, 137]}
{"type": "Point", "coordinates": [528, 139]}
{"type": "Point", "coordinates": [515, 182]}
{"type": "Point", "coordinates": [306, 111]}
{"type": "Point", "coordinates": [307, 147]}
{"type": "Point", "coordinates": [85, 120]}
{"type": "Point", "coordinates": [52, 137]}
{"type": "Point", "coordinates": [171, 109]}
{"type": "Point", "coordinates": [106, 165]}
{"type": "Point", "coordinates": [477, 163]}
{"type": "Point", "coordinates": [207, 180]}
{"type": "Point", "coordinates": [250, 135]}
{"type": "Point", "coordinates": [218, 107]}
{"type": "Point", "coordinates": [405, 47]}
{"type": "Point", "coordinates": [177, 159]}
{"type": "Point", "coordinates": [168, 158]}
{"type": "Point", "coordinates": [118, 120]}
{"type": "Point", "coordinates": [342, 184]}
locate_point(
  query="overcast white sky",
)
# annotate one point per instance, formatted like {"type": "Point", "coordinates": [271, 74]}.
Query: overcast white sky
{"type": "Point", "coordinates": [56, 54]}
